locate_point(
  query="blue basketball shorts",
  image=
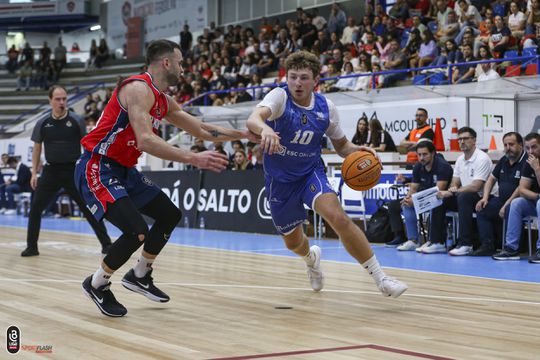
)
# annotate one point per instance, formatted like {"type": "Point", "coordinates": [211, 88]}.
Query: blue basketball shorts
{"type": "Point", "coordinates": [287, 199]}
{"type": "Point", "coordinates": [101, 181]}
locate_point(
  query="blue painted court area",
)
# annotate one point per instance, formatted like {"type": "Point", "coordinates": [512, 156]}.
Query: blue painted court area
{"type": "Point", "coordinates": [332, 250]}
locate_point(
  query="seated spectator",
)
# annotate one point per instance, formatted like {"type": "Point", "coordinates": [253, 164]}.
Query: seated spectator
{"type": "Point", "coordinates": [396, 61]}
{"type": "Point", "coordinates": [267, 61]}
{"type": "Point", "coordinates": [428, 49]}
{"type": "Point", "coordinates": [483, 38]}
{"type": "Point", "coordinates": [346, 84]}
{"type": "Point", "coordinates": [329, 84]}
{"type": "Point", "coordinates": [399, 11]}
{"type": "Point", "coordinates": [490, 210]}
{"type": "Point", "coordinates": [362, 132]}
{"type": "Point", "coordinates": [431, 170]}
{"type": "Point", "coordinates": [499, 41]}
{"type": "Point", "coordinates": [18, 183]}
{"type": "Point", "coordinates": [471, 172]}
{"type": "Point", "coordinates": [380, 139]}
{"type": "Point", "coordinates": [102, 54]}
{"type": "Point", "coordinates": [449, 30]}
{"type": "Point", "coordinates": [92, 54]}
{"type": "Point", "coordinates": [525, 205]}
{"type": "Point", "coordinates": [13, 56]}
{"type": "Point", "coordinates": [240, 161]}
{"type": "Point", "coordinates": [350, 32]}
{"type": "Point", "coordinates": [464, 73]}
{"type": "Point", "coordinates": [468, 15]}
{"type": "Point", "coordinates": [257, 159]}
{"type": "Point", "coordinates": [75, 47]}
{"type": "Point", "coordinates": [533, 20]}
{"type": "Point", "coordinates": [516, 21]}
{"type": "Point", "coordinates": [412, 47]}
{"type": "Point", "coordinates": [363, 82]}
{"type": "Point", "coordinates": [24, 77]}
{"type": "Point", "coordinates": [487, 73]}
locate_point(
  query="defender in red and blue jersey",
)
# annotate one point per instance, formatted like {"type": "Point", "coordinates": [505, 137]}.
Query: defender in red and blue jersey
{"type": "Point", "coordinates": [113, 188]}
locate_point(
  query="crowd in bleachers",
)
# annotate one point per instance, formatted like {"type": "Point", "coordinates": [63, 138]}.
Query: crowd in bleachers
{"type": "Point", "coordinates": [411, 34]}
{"type": "Point", "coordinates": [44, 69]}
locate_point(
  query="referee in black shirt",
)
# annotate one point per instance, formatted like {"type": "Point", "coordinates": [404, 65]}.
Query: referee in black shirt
{"type": "Point", "coordinates": [61, 134]}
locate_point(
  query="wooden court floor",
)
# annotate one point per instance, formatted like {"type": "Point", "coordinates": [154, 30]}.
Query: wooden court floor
{"type": "Point", "coordinates": [230, 305]}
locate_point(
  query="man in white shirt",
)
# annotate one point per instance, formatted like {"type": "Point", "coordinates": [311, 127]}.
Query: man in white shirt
{"type": "Point", "coordinates": [471, 171]}
{"type": "Point", "coordinates": [487, 73]}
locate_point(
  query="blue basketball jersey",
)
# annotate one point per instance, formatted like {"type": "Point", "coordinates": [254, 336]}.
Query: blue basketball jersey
{"type": "Point", "coordinates": [301, 132]}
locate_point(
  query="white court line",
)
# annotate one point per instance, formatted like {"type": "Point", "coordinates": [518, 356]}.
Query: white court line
{"type": "Point", "coordinates": [281, 288]}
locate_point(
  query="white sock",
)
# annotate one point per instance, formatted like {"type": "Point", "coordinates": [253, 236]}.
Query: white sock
{"type": "Point", "coordinates": [143, 266]}
{"type": "Point", "coordinates": [374, 269]}
{"type": "Point", "coordinates": [100, 278]}
{"type": "Point", "coordinates": [309, 258]}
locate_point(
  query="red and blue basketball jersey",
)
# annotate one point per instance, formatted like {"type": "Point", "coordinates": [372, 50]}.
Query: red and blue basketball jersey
{"type": "Point", "coordinates": [113, 136]}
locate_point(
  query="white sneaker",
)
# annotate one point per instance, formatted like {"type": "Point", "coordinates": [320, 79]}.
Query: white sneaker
{"type": "Point", "coordinates": [392, 287]}
{"type": "Point", "coordinates": [315, 274]}
{"type": "Point", "coordinates": [407, 246]}
{"type": "Point", "coordinates": [461, 250]}
{"type": "Point", "coordinates": [434, 248]}
{"type": "Point", "coordinates": [10, 212]}
{"type": "Point", "coordinates": [421, 248]}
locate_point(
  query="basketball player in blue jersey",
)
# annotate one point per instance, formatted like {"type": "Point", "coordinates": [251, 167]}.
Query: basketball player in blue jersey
{"type": "Point", "coordinates": [292, 122]}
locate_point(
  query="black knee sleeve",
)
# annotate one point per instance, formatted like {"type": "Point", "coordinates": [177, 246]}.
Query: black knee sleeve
{"type": "Point", "coordinates": [166, 216]}
{"type": "Point", "coordinates": [122, 249]}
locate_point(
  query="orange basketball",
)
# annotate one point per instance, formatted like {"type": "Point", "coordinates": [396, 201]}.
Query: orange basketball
{"type": "Point", "coordinates": [361, 170]}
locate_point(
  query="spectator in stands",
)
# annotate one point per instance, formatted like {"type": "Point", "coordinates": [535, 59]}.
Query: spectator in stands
{"type": "Point", "coordinates": [200, 144]}
{"type": "Point", "coordinates": [257, 159]}
{"type": "Point", "coordinates": [102, 53]}
{"type": "Point", "coordinates": [487, 73]}
{"type": "Point", "coordinates": [92, 54]}
{"type": "Point", "coordinates": [380, 139]}
{"type": "Point", "coordinates": [218, 81]}
{"type": "Point", "coordinates": [267, 62]}
{"type": "Point", "coordinates": [412, 47]}
{"type": "Point", "coordinates": [347, 83]}
{"type": "Point", "coordinates": [18, 183]}
{"type": "Point", "coordinates": [240, 161]}
{"type": "Point", "coordinates": [396, 61]}
{"type": "Point", "coordinates": [363, 82]}
{"type": "Point", "coordinates": [525, 205]}
{"type": "Point", "coordinates": [422, 131]}
{"type": "Point", "coordinates": [75, 47]}
{"type": "Point", "coordinates": [443, 12]}
{"type": "Point", "coordinates": [24, 77]}
{"type": "Point", "coordinates": [337, 20]}
{"type": "Point", "coordinates": [4, 161]}
{"type": "Point", "coordinates": [256, 81]}
{"type": "Point", "coordinates": [516, 21]}
{"type": "Point", "coordinates": [331, 72]}
{"type": "Point", "coordinates": [362, 131]}
{"type": "Point", "coordinates": [399, 11]}
{"type": "Point", "coordinates": [13, 56]}
{"type": "Point", "coordinates": [483, 38]}
{"type": "Point", "coordinates": [45, 75]}
{"type": "Point", "coordinates": [468, 15]}
{"type": "Point", "coordinates": [464, 73]}
{"type": "Point", "coordinates": [499, 41]}
{"type": "Point", "coordinates": [283, 44]}
{"type": "Point", "coordinates": [533, 20]}
{"type": "Point", "coordinates": [318, 21]}
{"type": "Point", "coordinates": [471, 171]}
{"type": "Point", "coordinates": [45, 54]}
{"type": "Point", "coordinates": [337, 59]}
{"type": "Point", "coordinates": [350, 32]}
{"type": "Point", "coordinates": [27, 54]}
{"type": "Point", "coordinates": [60, 58]}
{"type": "Point", "coordinates": [491, 209]}
{"type": "Point", "coordinates": [428, 49]}
{"type": "Point", "coordinates": [308, 32]}
{"type": "Point", "coordinates": [431, 170]}
{"type": "Point", "coordinates": [449, 30]}
{"type": "Point", "coordinates": [417, 25]}
{"type": "Point", "coordinates": [186, 40]}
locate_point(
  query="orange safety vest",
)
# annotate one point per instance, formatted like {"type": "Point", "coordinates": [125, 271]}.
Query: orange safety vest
{"type": "Point", "coordinates": [415, 135]}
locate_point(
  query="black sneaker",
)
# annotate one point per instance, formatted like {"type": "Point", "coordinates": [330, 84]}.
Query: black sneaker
{"type": "Point", "coordinates": [144, 286]}
{"type": "Point", "coordinates": [398, 240]}
{"type": "Point", "coordinates": [535, 259]}
{"type": "Point", "coordinates": [506, 255]}
{"type": "Point", "coordinates": [30, 252]}
{"type": "Point", "coordinates": [103, 298]}
{"type": "Point", "coordinates": [483, 251]}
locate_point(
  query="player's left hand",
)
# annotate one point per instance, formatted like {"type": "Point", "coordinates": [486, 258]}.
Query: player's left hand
{"type": "Point", "coordinates": [251, 136]}
{"type": "Point", "coordinates": [369, 149]}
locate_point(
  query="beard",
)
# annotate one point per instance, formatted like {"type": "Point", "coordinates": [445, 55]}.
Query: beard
{"type": "Point", "coordinates": [172, 79]}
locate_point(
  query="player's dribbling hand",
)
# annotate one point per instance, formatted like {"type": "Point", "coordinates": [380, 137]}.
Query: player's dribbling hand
{"type": "Point", "coordinates": [210, 160]}
{"type": "Point", "coordinates": [269, 141]}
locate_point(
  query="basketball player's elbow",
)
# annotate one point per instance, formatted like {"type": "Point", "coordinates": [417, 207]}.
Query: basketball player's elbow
{"type": "Point", "coordinates": [144, 142]}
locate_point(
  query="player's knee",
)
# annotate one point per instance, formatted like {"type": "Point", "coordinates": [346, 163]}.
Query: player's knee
{"type": "Point", "coordinates": [339, 220]}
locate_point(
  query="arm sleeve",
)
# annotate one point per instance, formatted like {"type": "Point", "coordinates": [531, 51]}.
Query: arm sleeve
{"type": "Point", "coordinates": [275, 100]}
{"type": "Point", "coordinates": [484, 169]}
{"type": "Point", "coordinates": [334, 131]}
{"type": "Point", "coordinates": [36, 133]}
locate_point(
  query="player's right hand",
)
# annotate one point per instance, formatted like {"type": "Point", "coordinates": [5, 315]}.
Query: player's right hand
{"type": "Point", "coordinates": [33, 181]}
{"type": "Point", "coordinates": [210, 160]}
{"type": "Point", "coordinates": [269, 140]}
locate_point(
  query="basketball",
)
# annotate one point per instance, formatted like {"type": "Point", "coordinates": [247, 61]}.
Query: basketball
{"type": "Point", "coordinates": [361, 170]}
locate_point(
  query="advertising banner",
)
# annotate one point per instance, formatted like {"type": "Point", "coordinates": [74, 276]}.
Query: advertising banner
{"type": "Point", "coordinates": [491, 119]}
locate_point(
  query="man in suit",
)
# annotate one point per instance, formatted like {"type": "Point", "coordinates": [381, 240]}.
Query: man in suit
{"type": "Point", "coordinates": [18, 183]}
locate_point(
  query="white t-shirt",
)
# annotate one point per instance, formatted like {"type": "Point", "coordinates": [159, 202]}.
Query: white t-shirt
{"type": "Point", "coordinates": [490, 75]}
{"type": "Point", "coordinates": [276, 100]}
{"type": "Point", "coordinates": [478, 167]}
{"type": "Point", "coordinates": [515, 20]}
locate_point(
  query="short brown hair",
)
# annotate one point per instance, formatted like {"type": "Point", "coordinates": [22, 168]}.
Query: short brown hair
{"type": "Point", "coordinates": [158, 49]}
{"type": "Point", "coordinates": [54, 87]}
{"type": "Point", "coordinates": [303, 60]}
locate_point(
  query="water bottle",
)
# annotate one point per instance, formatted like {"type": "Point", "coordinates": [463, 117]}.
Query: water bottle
{"type": "Point", "coordinates": [201, 222]}
{"type": "Point", "coordinates": [186, 222]}
{"type": "Point", "coordinates": [450, 234]}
